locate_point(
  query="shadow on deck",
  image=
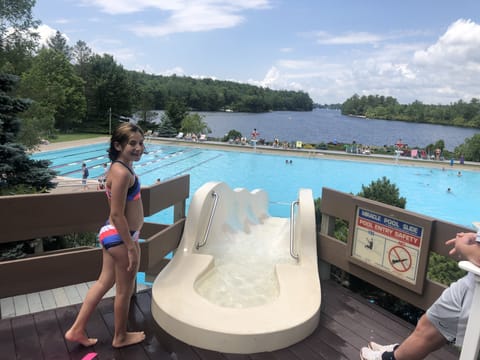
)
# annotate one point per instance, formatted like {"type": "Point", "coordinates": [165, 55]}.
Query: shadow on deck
{"type": "Point", "coordinates": [347, 322]}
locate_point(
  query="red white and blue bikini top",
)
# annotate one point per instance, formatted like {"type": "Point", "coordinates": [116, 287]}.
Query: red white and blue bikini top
{"type": "Point", "coordinates": [133, 192]}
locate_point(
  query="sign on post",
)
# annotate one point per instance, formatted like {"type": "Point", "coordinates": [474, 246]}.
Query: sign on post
{"type": "Point", "coordinates": [391, 245]}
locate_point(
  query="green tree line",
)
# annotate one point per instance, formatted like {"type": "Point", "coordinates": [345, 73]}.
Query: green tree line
{"type": "Point", "coordinates": [460, 113]}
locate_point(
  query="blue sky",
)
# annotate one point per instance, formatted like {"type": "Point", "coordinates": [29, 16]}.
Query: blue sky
{"type": "Point", "coordinates": [426, 50]}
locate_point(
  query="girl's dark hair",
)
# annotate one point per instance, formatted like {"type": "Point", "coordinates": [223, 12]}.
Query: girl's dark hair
{"type": "Point", "coordinates": [121, 135]}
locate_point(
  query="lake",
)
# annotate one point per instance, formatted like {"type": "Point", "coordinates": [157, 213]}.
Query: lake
{"type": "Point", "coordinates": [321, 125]}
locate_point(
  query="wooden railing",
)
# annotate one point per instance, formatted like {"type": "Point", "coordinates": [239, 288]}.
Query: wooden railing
{"type": "Point", "coordinates": [344, 206]}
{"type": "Point", "coordinates": [26, 217]}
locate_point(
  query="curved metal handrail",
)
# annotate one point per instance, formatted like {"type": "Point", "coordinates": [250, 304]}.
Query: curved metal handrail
{"type": "Point", "coordinates": [293, 252]}
{"type": "Point", "coordinates": [210, 219]}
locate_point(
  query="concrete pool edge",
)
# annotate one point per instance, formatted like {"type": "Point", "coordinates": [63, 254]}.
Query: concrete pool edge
{"type": "Point", "coordinates": [306, 153]}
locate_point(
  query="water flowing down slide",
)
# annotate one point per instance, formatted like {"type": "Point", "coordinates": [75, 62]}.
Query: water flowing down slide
{"type": "Point", "coordinates": [241, 281]}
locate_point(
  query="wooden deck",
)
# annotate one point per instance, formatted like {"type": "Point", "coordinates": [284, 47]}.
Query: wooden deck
{"type": "Point", "coordinates": [347, 322]}
{"type": "Point", "coordinates": [50, 299]}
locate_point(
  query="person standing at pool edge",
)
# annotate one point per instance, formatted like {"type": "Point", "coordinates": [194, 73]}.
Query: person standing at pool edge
{"type": "Point", "coordinates": [119, 240]}
{"type": "Point", "coordinates": [85, 175]}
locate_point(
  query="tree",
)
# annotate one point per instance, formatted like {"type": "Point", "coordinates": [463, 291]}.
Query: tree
{"type": "Point", "coordinates": [232, 134]}
{"type": "Point", "coordinates": [470, 148]}
{"type": "Point", "coordinates": [53, 84]}
{"type": "Point", "coordinates": [58, 43]}
{"type": "Point", "coordinates": [19, 173]}
{"type": "Point", "coordinates": [81, 55]}
{"type": "Point", "coordinates": [175, 112]}
{"type": "Point", "coordinates": [143, 99]}
{"type": "Point", "coordinates": [38, 122]}
{"type": "Point", "coordinates": [9, 108]}
{"type": "Point", "coordinates": [193, 123]}
{"type": "Point", "coordinates": [107, 91]}
{"type": "Point", "coordinates": [166, 128]}
{"type": "Point", "coordinates": [18, 38]}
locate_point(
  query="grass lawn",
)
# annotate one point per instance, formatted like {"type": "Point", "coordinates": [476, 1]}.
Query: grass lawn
{"type": "Point", "coordinates": [74, 136]}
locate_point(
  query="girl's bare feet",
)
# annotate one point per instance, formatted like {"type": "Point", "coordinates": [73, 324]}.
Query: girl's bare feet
{"type": "Point", "coordinates": [130, 338]}
{"type": "Point", "coordinates": [81, 338]}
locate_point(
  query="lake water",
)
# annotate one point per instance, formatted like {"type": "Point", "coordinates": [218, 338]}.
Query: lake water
{"type": "Point", "coordinates": [328, 125]}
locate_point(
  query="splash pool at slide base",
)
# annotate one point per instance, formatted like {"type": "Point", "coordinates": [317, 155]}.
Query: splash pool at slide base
{"type": "Point", "coordinates": [196, 297]}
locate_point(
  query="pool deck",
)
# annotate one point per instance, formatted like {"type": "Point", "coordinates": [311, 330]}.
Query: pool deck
{"type": "Point", "coordinates": [347, 322]}
{"type": "Point", "coordinates": [260, 149]}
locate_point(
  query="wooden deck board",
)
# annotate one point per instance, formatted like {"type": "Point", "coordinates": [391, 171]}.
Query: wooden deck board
{"type": "Point", "coordinates": [7, 342]}
{"type": "Point", "coordinates": [48, 300]}
{"type": "Point", "coordinates": [21, 305]}
{"type": "Point", "coordinates": [27, 342]}
{"type": "Point", "coordinates": [60, 297]}
{"type": "Point", "coordinates": [347, 322]}
{"type": "Point", "coordinates": [34, 302]}
{"type": "Point", "coordinates": [50, 335]}
{"type": "Point", "coordinates": [8, 307]}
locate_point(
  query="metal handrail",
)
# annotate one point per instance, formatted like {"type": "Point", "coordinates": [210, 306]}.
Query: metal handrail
{"type": "Point", "coordinates": [210, 219]}
{"type": "Point", "coordinates": [292, 230]}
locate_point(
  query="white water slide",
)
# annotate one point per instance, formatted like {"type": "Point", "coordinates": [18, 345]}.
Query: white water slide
{"type": "Point", "coordinates": [241, 281]}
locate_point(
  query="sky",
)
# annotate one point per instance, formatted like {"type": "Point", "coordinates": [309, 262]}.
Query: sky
{"type": "Point", "coordinates": [412, 50]}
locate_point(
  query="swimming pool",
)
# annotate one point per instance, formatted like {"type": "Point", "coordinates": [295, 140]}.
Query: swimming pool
{"type": "Point", "coordinates": [425, 188]}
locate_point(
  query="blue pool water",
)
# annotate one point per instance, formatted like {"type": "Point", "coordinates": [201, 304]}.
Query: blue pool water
{"type": "Point", "coordinates": [424, 188]}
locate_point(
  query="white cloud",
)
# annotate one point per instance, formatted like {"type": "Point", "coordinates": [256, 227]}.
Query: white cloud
{"type": "Point", "coordinates": [182, 15]}
{"type": "Point", "coordinates": [272, 77]}
{"type": "Point", "coordinates": [459, 45]}
{"type": "Point", "coordinates": [177, 70]}
{"type": "Point", "coordinates": [46, 32]}
{"type": "Point", "coordinates": [193, 19]}
{"type": "Point", "coordinates": [441, 72]}
{"type": "Point", "coordinates": [348, 39]}
{"type": "Point", "coordinates": [128, 6]}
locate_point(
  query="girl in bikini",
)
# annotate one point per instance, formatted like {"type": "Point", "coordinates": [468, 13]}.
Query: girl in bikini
{"type": "Point", "coordinates": [119, 239]}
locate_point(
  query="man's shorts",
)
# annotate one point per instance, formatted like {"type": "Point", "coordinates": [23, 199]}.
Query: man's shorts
{"type": "Point", "coordinates": [449, 313]}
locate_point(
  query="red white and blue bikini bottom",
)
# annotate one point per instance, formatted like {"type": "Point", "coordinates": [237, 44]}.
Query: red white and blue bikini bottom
{"type": "Point", "coordinates": [109, 236]}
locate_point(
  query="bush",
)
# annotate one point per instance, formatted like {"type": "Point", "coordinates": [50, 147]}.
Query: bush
{"type": "Point", "coordinates": [232, 134]}
{"type": "Point", "coordinates": [384, 191]}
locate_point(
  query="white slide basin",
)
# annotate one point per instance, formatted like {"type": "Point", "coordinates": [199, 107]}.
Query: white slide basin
{"type": "Point", "coordinates": [241, 291]}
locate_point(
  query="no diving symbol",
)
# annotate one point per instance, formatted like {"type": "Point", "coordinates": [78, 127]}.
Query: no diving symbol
{"type": "Point", "coordinates": [400, 259]}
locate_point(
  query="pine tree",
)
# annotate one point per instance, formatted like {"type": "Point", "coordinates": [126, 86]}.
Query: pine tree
{"type": "Point", "coordinates": [18, 173]}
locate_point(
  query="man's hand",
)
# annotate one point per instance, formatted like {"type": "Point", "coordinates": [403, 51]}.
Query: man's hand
{"type": "Point", "coordinates": [461, 244]}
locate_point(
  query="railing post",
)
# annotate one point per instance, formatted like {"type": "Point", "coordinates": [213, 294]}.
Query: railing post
{"type": "Point", "coordinates": [327, 226]}
{"type": "Point", "coordinates": [179, 211]}
{"type": "Point", "coordinates": [471, 340]}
